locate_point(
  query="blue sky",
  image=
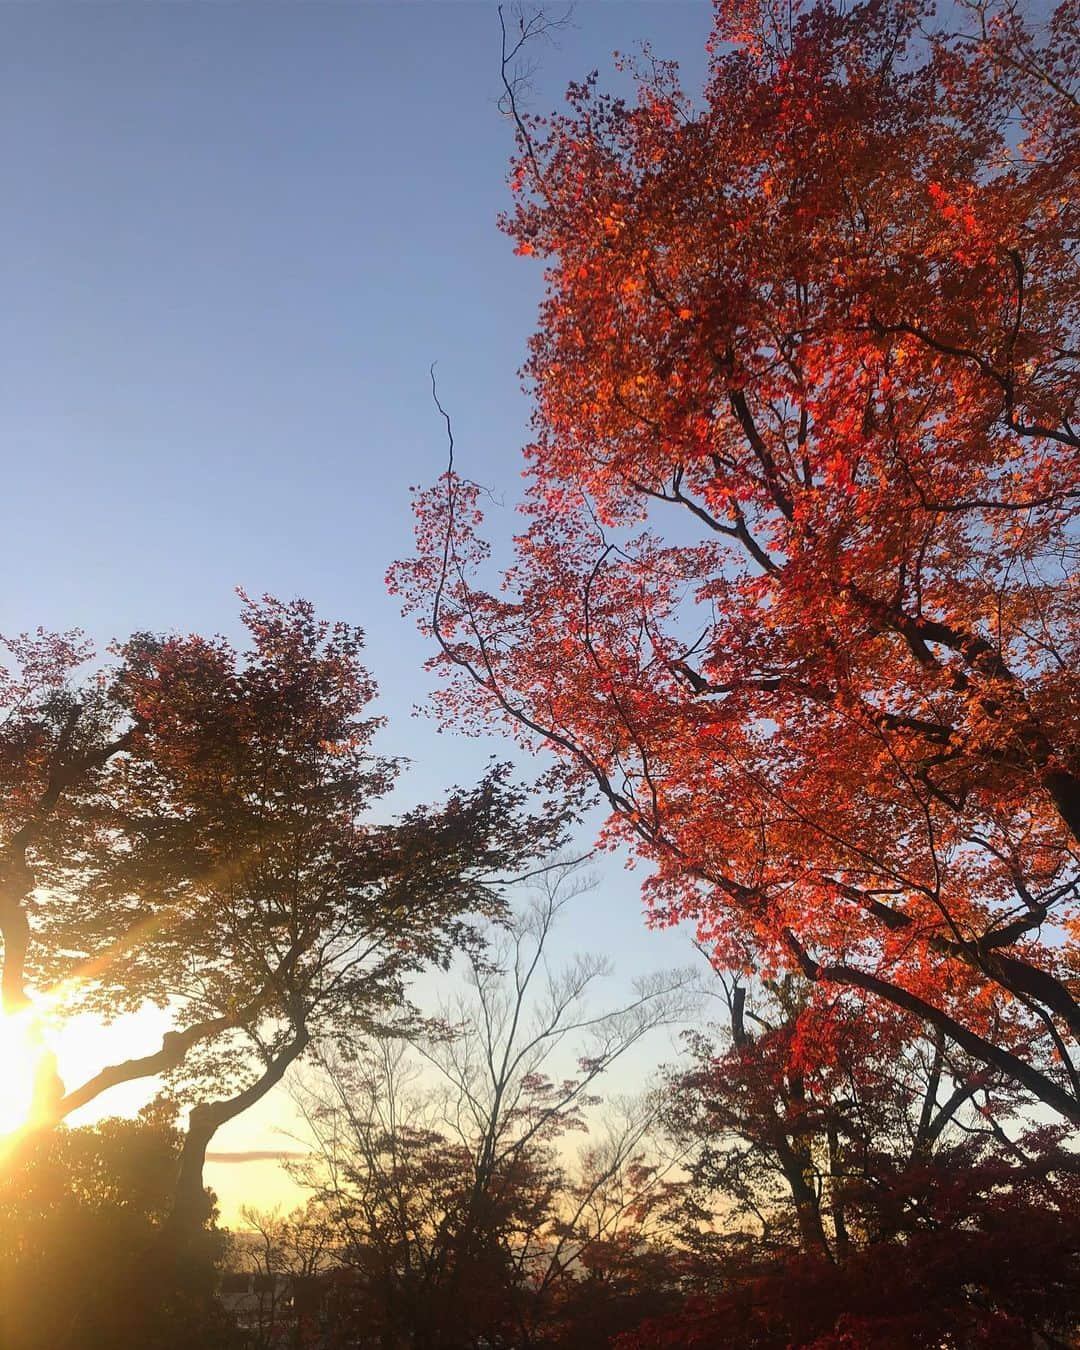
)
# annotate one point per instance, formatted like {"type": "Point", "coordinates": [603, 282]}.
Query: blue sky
{"type": "Point", "coordinates": [234, 238]}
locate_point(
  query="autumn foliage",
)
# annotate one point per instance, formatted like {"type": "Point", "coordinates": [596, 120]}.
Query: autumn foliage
{"type": "Point", "coordinates": [795, 596]}
{"type": "Point", "coordinates": [188, 828]}
{"type": "Point", "coordinates": [796, 585]}
{"type": "Point", "coordinates": [852, 1184]}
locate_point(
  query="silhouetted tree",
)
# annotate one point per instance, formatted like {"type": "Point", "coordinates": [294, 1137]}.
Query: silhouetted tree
{"type": "Point", "coordinates": [852, 1184]}
{"type": "Point", "coordinates": [81, 1212]}
{"type": "Point", "coordinates": [444, 1160]}
{"type": "Point", "coordinates": [188, 829]}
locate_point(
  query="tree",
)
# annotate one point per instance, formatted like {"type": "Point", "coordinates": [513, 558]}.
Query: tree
{"type": "Point", "coordinates": [79, 1211]}
{"type": "Point", "coordinates": [852, 1185]}
{"type": "Point", "coordinates": [285, 1254]}
{"type": "Point", "coordinates": [54, 750]}
{"type": "Point", "coordinates": [447, 1166]}
{"type": "Point", "coordinates": [188, 830]}
{"type": "Point", "coordinates": [816, 1099]}
{"type": "Point", "coordinates": [824, 323]}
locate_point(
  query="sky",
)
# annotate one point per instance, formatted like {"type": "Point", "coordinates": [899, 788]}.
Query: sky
{"type": "Point", "coordinates": [235, 237]}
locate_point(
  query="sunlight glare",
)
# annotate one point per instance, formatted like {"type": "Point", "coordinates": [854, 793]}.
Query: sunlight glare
{"type": "Point", "coordinates": [22, 1053]}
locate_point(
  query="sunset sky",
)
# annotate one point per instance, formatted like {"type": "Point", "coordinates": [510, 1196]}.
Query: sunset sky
{"type": "Point", "coordinates": [236, 236]}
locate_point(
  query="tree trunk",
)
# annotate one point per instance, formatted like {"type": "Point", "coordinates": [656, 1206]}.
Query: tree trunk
{"type": "Point", "coordinates": [191, 1208]}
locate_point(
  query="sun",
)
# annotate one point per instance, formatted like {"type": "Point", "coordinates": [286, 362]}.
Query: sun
{"type": "Point", "coordinates": [24, 1055]}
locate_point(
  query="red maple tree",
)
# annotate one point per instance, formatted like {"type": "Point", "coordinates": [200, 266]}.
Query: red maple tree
{"type": "Point", "coordinates": [851, 1184]}
{"type": "Point", "coordinates": [796, 588]}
